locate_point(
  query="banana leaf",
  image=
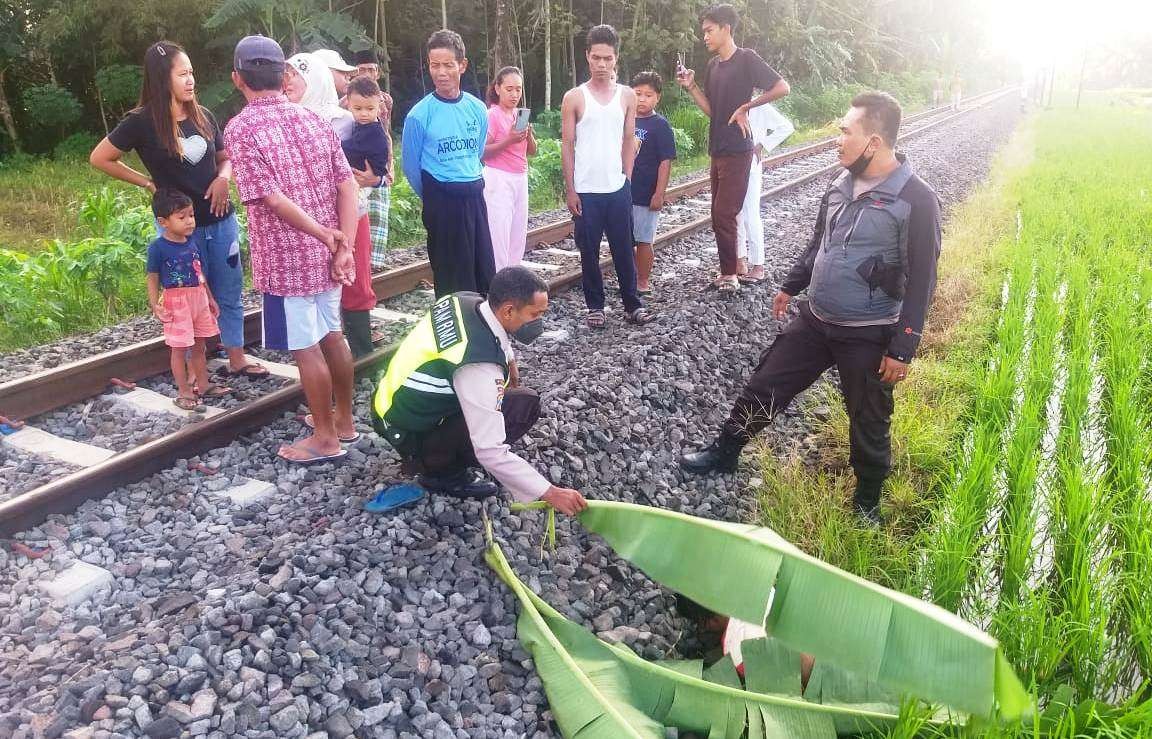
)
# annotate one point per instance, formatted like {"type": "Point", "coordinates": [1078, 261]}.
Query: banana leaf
{"type": "Point", "coordinates": [602, 691]}
{"type": "Point", "coordinates": [882, 637]}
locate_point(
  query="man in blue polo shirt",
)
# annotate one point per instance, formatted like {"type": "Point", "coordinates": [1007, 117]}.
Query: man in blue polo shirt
{"type": "Point", "coordinates": [444, 138]}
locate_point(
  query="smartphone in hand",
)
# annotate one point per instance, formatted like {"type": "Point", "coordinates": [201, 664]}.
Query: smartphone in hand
{"type": "Point", "coordinates": [523, 116]}
{"type": "Point", "coordinates": [680, 70]}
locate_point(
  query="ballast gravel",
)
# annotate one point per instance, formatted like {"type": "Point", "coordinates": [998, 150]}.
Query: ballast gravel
{"type": "Point", "coordinates": [301, 615]}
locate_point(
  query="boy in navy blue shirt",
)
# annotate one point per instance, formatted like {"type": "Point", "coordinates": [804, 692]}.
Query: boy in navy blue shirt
{"type": "Point", "coordinates": [655, 150]}
{"type": "Point", "coordinates": [444, 137]}
{"type": "Point", "coordinates": [179, 297]}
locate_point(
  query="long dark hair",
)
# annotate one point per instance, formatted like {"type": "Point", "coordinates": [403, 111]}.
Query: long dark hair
{"type": "Point", "coordinates": [156, 97]}
{"type": "Point", "coordinates": [493, 96]}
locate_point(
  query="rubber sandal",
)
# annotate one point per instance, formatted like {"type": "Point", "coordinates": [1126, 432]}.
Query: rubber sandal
{"type": "Point", "coordinates": [315, 457]}
{"type": "Point", "coordinates": [188, 404]}
{"type": "Point", "coordinates": [215, 391]}
{"type": "Point", "coordinates": [248, 370]}
{"type": "Point", "coordinates": [310, 422]}
{"type": "Point", "coordinates": [644, 292]}
{"type": "Point", "coordinates": [594, 319]}
{"type": "Point", "coordinates": [748, 279]}
{"type": "Point", "coordinates": [394, 497]}
{"type": "Point", "coordinates": [728, 287]}
{"type": "Point", "coordinates": [639, 317]}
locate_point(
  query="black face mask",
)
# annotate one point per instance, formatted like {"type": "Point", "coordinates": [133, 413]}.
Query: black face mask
{"type": "Point", "coordinates": [857, 167]}
{"type": "Point", "coordinates": [529, 332]}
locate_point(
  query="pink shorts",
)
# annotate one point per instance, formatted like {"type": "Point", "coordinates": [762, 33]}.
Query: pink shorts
{"type": "Point", "coordinates": [188, 316]}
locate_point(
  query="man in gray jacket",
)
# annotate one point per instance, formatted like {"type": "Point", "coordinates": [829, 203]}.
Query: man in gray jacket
{"type": "Point", "coordinates": [870, 269]}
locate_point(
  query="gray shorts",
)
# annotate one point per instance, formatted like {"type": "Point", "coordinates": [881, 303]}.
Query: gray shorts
{"type": "Point", "coordinates": [644, 223]}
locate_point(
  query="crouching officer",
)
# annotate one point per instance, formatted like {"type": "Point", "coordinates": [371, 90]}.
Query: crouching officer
{"type": "Point", "coordinates": [450, 399]}
{"type": "Point", "coordinates": [870, 270]}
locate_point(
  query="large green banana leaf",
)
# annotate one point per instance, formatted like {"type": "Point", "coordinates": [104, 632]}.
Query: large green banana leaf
{"type": "Point", "coordinates": [601, 691]}
{"type": "Point", "coordinates": [883, 637]}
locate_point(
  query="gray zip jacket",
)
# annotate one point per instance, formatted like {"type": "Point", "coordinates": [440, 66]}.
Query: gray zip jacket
{"type": "Point", "coordinates": [872, 259]}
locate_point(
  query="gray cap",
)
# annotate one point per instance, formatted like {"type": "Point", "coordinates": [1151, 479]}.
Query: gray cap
{"type": "Point", "coordinates": [258, 52]}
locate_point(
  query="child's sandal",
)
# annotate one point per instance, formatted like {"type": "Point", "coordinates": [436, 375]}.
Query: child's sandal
{"type": "Point", "coordinates": [188, 404]}
{"type": "Point", "coordinates": [215, 391]}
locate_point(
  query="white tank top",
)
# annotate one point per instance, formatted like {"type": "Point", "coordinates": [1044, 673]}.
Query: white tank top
{"type": "Point", "coordinates": [599, 141]}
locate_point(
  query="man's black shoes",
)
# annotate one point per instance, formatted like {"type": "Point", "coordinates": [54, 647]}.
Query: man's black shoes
{"type": "Point", "coordinates": [722, 455]}
{"type": "Point", "coordinates": [465, 484]}
{"type": "Point", "coordinates": [866, 501]}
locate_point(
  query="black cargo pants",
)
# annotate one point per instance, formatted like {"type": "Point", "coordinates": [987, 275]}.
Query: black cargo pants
{"type": "Point", "coordinates": [447, 449]}
{"type": "Point", "coordinates": [800, 354]}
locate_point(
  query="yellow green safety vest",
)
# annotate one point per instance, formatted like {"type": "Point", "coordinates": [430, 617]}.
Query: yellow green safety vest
{"type": "Point", "coordinates": [415, 392]}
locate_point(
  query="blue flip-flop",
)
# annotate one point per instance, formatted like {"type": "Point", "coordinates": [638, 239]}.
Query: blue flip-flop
{"type": "Point", "coordinates": [395, 496]}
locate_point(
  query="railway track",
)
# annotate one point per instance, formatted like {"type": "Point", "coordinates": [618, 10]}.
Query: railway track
{"type": "Point", "coordinates": [41, 393]}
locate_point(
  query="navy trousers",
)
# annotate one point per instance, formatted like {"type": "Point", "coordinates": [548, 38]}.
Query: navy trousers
{"type": "Point", "coordinates": [607, 214]}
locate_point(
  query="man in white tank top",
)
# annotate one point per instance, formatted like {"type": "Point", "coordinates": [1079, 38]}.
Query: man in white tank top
{"type": "Point", "coordinates": [598, 148]}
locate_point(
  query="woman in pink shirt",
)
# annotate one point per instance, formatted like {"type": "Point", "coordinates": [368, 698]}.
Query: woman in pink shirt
{"type": "Point", "coordinates": [505, 159]}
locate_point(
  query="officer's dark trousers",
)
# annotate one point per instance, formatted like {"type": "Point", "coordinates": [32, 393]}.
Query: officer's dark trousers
{"type": "Point", "coordinates": [800, 354]}
{"type": "Point", "coordinates": [447, 449]}
{"type": "Point", "coordinates": [459, 242]}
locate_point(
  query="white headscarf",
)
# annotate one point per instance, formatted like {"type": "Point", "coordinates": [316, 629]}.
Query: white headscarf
{"type": "Point", "coordinates": [320, 95]}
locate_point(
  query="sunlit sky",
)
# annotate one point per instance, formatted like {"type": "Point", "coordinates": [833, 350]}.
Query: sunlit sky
{"type": "Point", "coordinates": [1042, 32]}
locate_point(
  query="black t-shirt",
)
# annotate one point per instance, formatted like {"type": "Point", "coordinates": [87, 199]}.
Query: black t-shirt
{"type": "Point", "coordinates": [730, 85]}
{"type": "Point", "coordinates": [191, 173]}
{"type": "Point", "coordinates": [657, 143]}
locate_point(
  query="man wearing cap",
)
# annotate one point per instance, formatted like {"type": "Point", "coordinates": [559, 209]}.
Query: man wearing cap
{"type": "Point", "coordinates": [450, 399]}
{"type": "Point", "coordinates": [301, 198]}
{"type": "Point", "coordinates": [341, 70]}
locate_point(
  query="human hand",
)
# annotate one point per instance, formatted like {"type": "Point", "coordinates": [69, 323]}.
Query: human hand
{"type": "Point", "coordinates": [567, 501]}
{"type": "Point", "coordinates": [366, 177]}
{"type": "Point", "coordinates": [343, 269]}
{"type": "Point", "coordinates": [740, 118]}
{"type": "Point", "coordinates": [892, 370]}
{"type": "Point", "coordinates": [780, 305]}
{"type": "Point", "coordinates": [161, 313]}
{"type": "Point", "coordinates": [657, 201]}
{"type": "Point", "coordinates": [389, 178]}
{"type": "Point", "coordinates": [333, 239]}
{"type": "Point", "coordinates": [150, 186]}
{"type": "Point", "coordinates": [217, 196]}
{"type": "Point", "coordinates": [574, 206]}
{"type": "Point", "coordinates": [686, 77]}
{"type": "Point", "coordinates": [515, 137]}
{"type": "Point", "coordinates": [214, 308]}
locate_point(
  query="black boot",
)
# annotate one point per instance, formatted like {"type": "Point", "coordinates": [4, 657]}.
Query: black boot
{"type": "Point", "coordinates": [722, 455]}
{"type": "Point", "coordinates": [463, 484]}
{"type": "Point", "coordinates": [358, 331]}
{"type": "Point", "coordinates": [866, 500]}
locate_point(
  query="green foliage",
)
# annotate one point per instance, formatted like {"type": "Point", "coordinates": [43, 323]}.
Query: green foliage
{"type": "Point", "coordinates": [404, 225]}
{"type": "Point", "coordinates": [296, 24]}
{"type": "Point", "coordinates": [76, 147]}
{"type": "Point", "coordinates": [52, 106]}
{"type": "Point", "coordinates": [818, 107]}
{"type": "Point", "coordinates": [691, 121]}
{"type": "Point", "coordinates": [685, 146]}
{"type": "Point", "coordinates": [547, 124]}
{"type": "Point", "coordinates": [545, 174]}
{"type": "Point", "coordinates": [119, 85]}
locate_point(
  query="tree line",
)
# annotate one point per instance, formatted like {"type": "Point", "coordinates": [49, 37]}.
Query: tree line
{"type": "Point", "coordinates": [71, 67]}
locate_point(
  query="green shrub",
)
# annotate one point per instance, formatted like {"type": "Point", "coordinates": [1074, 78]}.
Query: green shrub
{"type": "Point", "coordinates": [685, 146]}
{"type": "Point", "coordinates": [76, 147]}
{"type": "Point", "coordinates": [545, 176]}
{"type": "Point", "coordinates": [119, 85]}
{"type": "Point", "coordinates": [692, 121]}
{"type": "Point", "coordinates": [547, 124]}
{"type": "Point", "coordinates": [52, 106]}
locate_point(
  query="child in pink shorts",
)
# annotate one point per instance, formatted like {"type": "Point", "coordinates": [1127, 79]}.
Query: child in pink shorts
{"type": "Point", "coordinates": [179, 296]}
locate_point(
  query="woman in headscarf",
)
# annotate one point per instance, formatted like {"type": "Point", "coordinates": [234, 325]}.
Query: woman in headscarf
{"type": "Point", "coordinates": [308, 82]}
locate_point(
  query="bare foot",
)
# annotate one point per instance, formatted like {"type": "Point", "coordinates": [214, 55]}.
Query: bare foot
{"type": "Point", "coordinates": [310, 449]}
{"type": "Point", "coordinates": [742, 266]}
{"type": "Point", "coordinates": [757, 272]}
{"type": "Point", "coordinates": [343, 429]}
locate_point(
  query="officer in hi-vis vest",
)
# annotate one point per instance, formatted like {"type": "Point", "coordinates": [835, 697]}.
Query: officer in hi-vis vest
{"type": "Point", "coordinates": [450, 399]}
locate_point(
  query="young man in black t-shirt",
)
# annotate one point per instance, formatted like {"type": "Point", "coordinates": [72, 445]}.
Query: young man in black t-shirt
{"type": "Point", "coordinates": [732, 75]}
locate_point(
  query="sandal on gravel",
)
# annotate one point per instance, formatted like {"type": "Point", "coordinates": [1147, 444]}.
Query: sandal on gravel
{"type": "Point", "coordinates": [395, 496]}
{"type": "Point", "coordinates": [639, 317]}
{"type": "Point", "coordinates": [310, 422]}
{"type": "Point", "coordinates": [594, 319]}
{"type": "Point", "coordinates": [313, 455]}
{"type": "Point", "coordinates": [248, 370]}
{"type": "Point", "coordinates": [728, 286]}
{"type": "Point", "coordinates": [215, 391]}
{"type": "Point", "coordinates": [188, 404]}
{"type": "Point", "coordinates": [646, 291]}
{"type": "Point", "coordinates": [754, 277]}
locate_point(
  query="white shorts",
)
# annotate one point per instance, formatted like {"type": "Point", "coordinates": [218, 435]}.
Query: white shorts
{"type": "Point", "coordinates": [644, 221]}
{"type": "Point", "coordinates": [300, 321]}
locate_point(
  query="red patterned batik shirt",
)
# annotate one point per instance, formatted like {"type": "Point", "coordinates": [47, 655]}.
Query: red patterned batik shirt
{"type": "Point", "coordinates": [279, 147]}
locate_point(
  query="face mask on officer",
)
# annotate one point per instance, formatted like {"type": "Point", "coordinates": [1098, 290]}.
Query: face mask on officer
{"type": "Point", "coordinates": [860, 164]}
{"type": "Point", "coordinates": [529, 332]}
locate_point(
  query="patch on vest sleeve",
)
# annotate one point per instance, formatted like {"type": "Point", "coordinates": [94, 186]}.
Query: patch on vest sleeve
{"type": "Point", "coordinates": [445, 324]}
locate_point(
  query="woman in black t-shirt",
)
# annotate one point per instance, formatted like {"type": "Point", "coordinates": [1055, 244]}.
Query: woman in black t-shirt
{"type": "Point", "coordinates": [182, 147]}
